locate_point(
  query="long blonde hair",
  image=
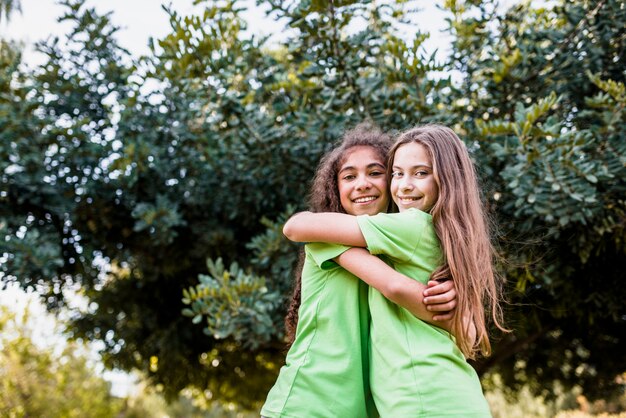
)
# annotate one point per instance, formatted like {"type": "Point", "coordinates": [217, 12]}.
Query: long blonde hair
{"type": "Point", "coordinates": [461, 225]}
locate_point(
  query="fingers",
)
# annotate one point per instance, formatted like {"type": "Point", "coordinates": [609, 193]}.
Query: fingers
{"type": "Point", "coordinates": [442, 307]}
{"type": "Point", "coordinates": [443, 302]}
{"type": "Point", "coordinates": [435, 287]}
{"type": "Point", "coordinates": [442, 317]}
{"type": "Point", "coordinates": [442, 298]}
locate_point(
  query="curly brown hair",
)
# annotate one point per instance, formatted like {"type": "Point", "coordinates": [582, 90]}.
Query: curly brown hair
{"type": "Point", "coordinates": [324, 194]}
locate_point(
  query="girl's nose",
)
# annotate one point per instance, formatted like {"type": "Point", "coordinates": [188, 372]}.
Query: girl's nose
{"type": "Point", "coordinates": [363, 183]}
{"type": "Point", "coordinates": [406, 184]}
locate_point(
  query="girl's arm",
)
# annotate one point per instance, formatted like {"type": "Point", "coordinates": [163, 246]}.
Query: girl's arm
{"type": "Point", "coordinates": [396, 287]}
{"type": "Point", "coordinates": [338, 228]}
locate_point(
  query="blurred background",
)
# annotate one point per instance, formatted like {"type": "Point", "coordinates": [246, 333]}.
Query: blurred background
{"type": "Point", "coordinates": [151, 153]}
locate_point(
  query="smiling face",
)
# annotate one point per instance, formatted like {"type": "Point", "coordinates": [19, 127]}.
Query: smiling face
{"type": "Point", "coordinates": [362, 182]}
{"type": "Point", "coordinates": [412, 181]}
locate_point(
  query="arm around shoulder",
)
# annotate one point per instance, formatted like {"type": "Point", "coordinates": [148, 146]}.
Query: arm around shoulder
{"type": "Point", "coordinates": [293, 227]}
{"type": "Point", "coordinates": [336, 228]}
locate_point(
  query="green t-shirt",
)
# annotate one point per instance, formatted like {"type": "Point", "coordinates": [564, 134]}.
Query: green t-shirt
{"type": "Point", "coordinates": [416, 369]}
{"type": "Point", "coordinates": [326, 371]}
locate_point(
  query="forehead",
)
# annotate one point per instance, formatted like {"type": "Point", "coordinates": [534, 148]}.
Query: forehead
{"type": "Point", "coordinates": [412, 154]}
{"type": "Point", "coordinates": [361, 156]}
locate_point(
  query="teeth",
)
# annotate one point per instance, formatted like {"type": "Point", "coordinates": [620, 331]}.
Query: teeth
{"type": "Point", "coordinates": [408, 199]}
{"type": "Point", "coordinates": [364, 199]}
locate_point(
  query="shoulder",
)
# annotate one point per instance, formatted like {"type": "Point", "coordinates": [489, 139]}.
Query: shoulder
{"type": "Point", "coordinates": [416, 214]}
{"type": "Point", "coordinates": [322, 254]}
{"type": "Point", "coordinates": [408, 216]}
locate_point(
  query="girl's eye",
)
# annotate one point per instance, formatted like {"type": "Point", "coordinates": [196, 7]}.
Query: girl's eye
{"type": "Point", "coordinates": [396, 174]}
{"type": "Point", "coordinates": [421, 173]}
{"type": "Point", "coordinates": [349, 177]}
{"type": "Point", "coordinates": [376, 173]}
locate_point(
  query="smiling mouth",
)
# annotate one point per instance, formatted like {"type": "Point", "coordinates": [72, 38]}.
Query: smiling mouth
{"type": "Point", "coordinates": [408, 199]}
{"type": "Point", "coordinates": [365, 199]}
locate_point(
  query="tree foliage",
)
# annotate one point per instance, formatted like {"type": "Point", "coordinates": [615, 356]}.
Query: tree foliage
{"type": "Point", "coordinates": [140, 180]}
{"type": "Point", "coordinates": [545, 105]}
{"type": "Point", "coordinates": [7, 7]}
{"type": "Point", "coordinates": [37, 381]}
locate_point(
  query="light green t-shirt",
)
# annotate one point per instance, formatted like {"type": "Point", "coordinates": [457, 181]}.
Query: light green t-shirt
{"type": "Point", "coordinates": [326, 371]}
{"type": "Point", "coordinates": [416, 369]}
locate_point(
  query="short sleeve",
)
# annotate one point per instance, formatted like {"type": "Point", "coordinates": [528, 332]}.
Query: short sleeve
{"type": "Point", "coordinates": [323, 254]}
{"type": "Point", "coordinates": [396, 235]}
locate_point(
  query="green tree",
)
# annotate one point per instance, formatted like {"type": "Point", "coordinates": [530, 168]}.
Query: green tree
{"type": "Point", "coordinates": [185, 173]}
{"type": "Point", "coordinates": [138, 179]}
{"type": "Point", "coordinates": [7, 7]}
{"type": "Point", "coordinates": [42, 382]}
{"type": "Point", "coordinates": [543, 101]}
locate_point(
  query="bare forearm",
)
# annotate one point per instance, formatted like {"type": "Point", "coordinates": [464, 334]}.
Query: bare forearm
{"type": "Point", "coordinates": [395, 286]}
{"type": "Point", "coordinates": [337, 228]}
